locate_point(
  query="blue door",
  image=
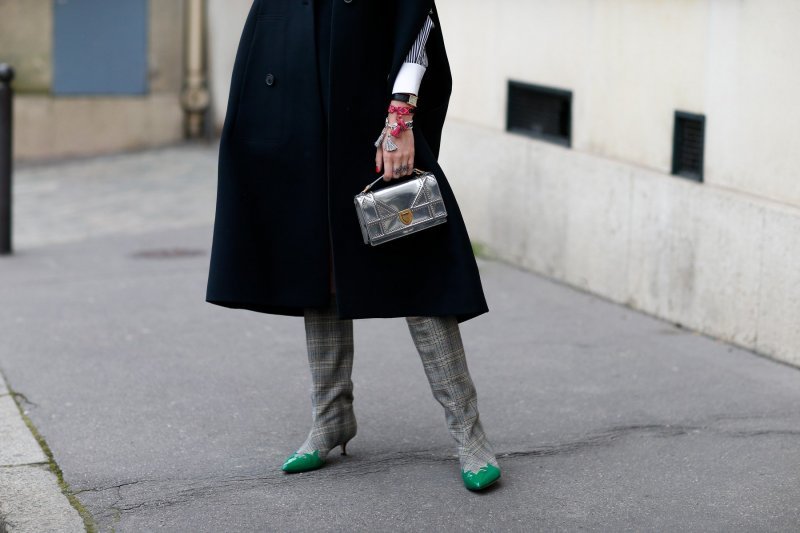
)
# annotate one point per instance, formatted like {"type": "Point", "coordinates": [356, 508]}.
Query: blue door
{"type": "Point", "coordinates": [100, 47]}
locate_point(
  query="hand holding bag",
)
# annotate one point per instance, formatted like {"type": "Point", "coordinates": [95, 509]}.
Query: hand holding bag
{"type": "Point", "coordinates": [400, 210]}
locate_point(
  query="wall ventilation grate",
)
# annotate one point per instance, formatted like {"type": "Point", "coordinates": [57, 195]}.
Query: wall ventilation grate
{"type": "Point", "coordinates": [540, 112]}
{"type": "Point", "coordinates": [688, 145]}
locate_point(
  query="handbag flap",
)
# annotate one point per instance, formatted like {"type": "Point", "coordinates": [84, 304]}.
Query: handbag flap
{"type": "Point", "coordinates": [398, 197]}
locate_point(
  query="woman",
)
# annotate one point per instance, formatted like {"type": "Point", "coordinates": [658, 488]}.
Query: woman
{"type": "Point", "coordinates": [311, 91]}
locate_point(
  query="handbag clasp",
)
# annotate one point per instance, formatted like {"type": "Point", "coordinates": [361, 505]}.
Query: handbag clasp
{"type": "Point", "coordinates": [406, 216]}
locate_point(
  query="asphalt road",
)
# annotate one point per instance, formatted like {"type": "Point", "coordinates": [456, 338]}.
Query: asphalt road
{"type": "Point", "coordinates": [166, 413]}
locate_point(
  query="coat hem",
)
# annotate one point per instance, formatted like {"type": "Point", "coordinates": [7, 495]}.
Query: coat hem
{"type": "Point", "coordinates": [300, 311]}
{"type": "Point", "coordinates": [258, 307]}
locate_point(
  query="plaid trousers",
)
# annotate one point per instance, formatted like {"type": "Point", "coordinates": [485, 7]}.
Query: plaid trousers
{"type": "Point", "coordinates": [330, 357]}
{"type": "Point", "coordinates": [438, 341]}
{"type": "Point", "coordinates": [439, 344]}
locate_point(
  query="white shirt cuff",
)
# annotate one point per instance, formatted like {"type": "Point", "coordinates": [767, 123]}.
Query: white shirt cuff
{"type": "Point", "coordinates": [409, 78]}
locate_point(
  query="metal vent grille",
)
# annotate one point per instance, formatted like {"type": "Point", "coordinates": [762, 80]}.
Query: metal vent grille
{"type": "Point", "coordinates": [540, 112]}
{"type": "Point", "coordinates": [688, 145]}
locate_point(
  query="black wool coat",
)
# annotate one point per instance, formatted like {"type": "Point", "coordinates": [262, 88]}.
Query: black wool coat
{"type": "Point", "coordinates": [286, 182]}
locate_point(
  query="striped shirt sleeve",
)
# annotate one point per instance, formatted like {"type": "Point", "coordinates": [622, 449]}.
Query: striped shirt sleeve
{"type": "Point", "coordinates": [411, 72]}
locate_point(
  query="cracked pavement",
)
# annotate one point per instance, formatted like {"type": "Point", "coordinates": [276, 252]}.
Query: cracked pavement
{"type": "Point", "coordinates": [167, 413]}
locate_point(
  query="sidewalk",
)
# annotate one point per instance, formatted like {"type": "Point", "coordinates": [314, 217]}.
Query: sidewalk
{"type": "Point", "coordinates": [30, 496]}
{"type": "Point", "coordinates": [166, 413]}
{"type": "Point", "coordinates": [120, 194]}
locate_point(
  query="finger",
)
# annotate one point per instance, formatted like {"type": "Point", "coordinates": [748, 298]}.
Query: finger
{"type": "Point", "coordinates": [401, 166]}
{"type": "Point", "coordinates": [388, 166]}
{"type": "Point", "coordinates": [407, 157]}
{"type": "Point", "coordinates": [378, 159]}
{"type": "Point", "coordinates": [392, 161]}
{"type": "Point", "coordinates": [397, 168]}
{"type": "Point", "coordinates": [402, 163]}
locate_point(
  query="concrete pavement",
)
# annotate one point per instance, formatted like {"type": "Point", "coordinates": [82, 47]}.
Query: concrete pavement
{"type": "Point", "coordinates": [31, 498]}
{"type": "Point", "coordinates": [166, 413]}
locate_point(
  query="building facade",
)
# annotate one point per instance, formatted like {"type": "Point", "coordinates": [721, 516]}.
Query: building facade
{"type": "Point", "coordinates": [92, 75]}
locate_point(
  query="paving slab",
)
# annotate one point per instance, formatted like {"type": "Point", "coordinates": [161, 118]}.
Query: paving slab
{"type": "Point", "coordinates": [31, 502]}
{"type": "Point", "coordinates": [125, 193]}
{"type": "Point", "coordinates": [18, 445]}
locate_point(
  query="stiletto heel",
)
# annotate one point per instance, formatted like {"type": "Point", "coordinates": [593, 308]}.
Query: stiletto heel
{"type": "Point", "coordinates": [344, 452]}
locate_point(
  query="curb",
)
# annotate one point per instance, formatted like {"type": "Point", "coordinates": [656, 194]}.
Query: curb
{"type": "Point", "coordinates": [33, 496]}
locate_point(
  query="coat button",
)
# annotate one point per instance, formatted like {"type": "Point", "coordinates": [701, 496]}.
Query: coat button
{"type": "Point", "coordinates": [270, 79]}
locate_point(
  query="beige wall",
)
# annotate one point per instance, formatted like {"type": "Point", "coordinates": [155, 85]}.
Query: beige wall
{"type": "Point", "coordinates": [225, 22]}
{"type": "Point", "coordinates": [26, 42]}
{"type": "Point", "coordinates": [715, 260]}
{"type": "Point", "coordinates": [719, 257]}
{"type": "Point", "coordinates": [751, 92]}
{"type": "Point", "coordinates": [48, 126]}
{"type": "Point", "coordinates": [166, 46]}
{"type": "Point", "coordinates": [631, 63]}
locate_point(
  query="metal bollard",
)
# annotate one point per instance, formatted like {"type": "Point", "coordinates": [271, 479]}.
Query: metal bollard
{"type": "Point", "coordinates": [6, 155]}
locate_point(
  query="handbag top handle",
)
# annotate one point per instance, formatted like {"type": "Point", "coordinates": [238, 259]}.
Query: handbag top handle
{"type": "Point", "coordinates": [415, 170]}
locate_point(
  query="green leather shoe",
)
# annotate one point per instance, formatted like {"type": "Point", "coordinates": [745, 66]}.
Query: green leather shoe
{"type": "Point", "coordinates": [303, 462]}
{"type": "Point", "coordinates": [481, 479]}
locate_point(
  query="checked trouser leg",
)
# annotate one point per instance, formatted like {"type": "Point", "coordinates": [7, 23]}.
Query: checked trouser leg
{"type": "Point", "coordinates": [330, 358]}
{"type": "Point", "coordinates": [438, 341]}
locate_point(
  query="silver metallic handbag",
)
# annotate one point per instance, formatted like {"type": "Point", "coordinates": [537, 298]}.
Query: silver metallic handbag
{"type": "Point", "coordinates": [401, 209]}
